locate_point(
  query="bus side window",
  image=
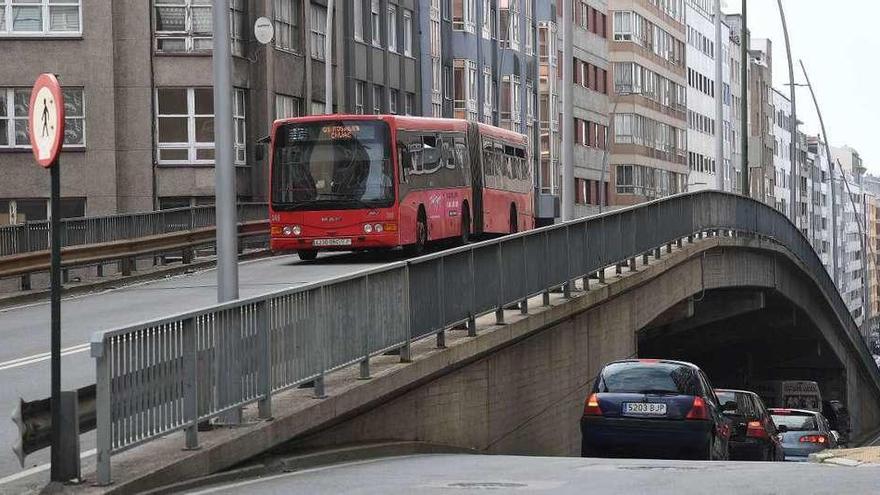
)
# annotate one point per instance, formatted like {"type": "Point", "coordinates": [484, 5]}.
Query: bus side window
{"type": "Point", "coordinates": [430, 154]}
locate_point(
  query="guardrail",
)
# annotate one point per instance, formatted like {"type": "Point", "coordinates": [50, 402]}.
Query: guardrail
{"type": "Point", "coordinates": [167, 375]}
{"type": "Point", "coordinates": [34, 236]}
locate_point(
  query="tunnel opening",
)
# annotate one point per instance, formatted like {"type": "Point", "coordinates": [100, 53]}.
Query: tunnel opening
{"type": "Point", "coordinates": [744, 336]}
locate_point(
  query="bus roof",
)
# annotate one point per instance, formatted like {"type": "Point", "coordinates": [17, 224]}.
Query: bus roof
{"type": "Point", "coordinates": [408, 122]}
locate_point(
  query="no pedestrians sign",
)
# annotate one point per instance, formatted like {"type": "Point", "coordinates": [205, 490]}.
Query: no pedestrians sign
{"type": "Point", "coordinates": [46, 120]}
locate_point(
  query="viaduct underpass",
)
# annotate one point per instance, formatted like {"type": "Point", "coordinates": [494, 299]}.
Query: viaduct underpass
{"type": "Point", "coordinates": [743, 336]}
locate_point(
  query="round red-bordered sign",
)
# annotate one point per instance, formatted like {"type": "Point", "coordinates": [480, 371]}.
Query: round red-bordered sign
{"type": "Point", "coordinates": [46, 120]}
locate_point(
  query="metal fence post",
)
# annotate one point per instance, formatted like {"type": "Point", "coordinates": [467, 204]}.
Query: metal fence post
{"type": "Point", "coordinates": [264, 350]}
{"type": "Point", "coordinates": [190, 383]}
{"type": "Point", "coordinates": [406, 350]}
{"type": "Point", "coordinates": [365, 339]}
{"type": "Point", "coordinates": [103, 417]}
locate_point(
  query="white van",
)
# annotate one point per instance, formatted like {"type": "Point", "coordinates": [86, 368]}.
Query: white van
{"type": "Point", "coordinates": [791, 394]}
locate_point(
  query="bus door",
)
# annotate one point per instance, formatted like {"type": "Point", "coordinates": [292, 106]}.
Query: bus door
{"type": "Point", "coordinates": [475, 150]}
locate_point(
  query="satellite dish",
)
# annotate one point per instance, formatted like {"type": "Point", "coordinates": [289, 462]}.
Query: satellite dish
{"type": "Point", "coordinates": [264, 30]}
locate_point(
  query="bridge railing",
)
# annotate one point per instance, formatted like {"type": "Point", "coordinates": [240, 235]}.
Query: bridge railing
{"type": "Point", "coordinates": [34, 236]}
{"type": "Point", "coordinates": [167, 375]}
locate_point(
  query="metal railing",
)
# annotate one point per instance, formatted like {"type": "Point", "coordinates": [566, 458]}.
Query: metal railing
{"type": "Point", "coordinates": [34, 236]}
{"type": "Point", "coordinates": [161, 376]}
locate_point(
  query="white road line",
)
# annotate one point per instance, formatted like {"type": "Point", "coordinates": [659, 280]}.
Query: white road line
{"type": "Point", "coordinates": [26, 361]}
{"type": "Point", "coordinates": [39, 469]}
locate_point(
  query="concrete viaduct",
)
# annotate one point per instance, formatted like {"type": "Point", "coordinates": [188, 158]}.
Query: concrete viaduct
{"type": "Point", "coordinates": [742, 307]}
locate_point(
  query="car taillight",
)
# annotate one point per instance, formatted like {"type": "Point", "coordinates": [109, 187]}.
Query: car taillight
{"type": "Point", "coordinates": [591, 407]}
{"type": "Point", "coordinates": [755, 429]}
{"type": "Point", "coordinates": [698, 410]}
{"type": "Point", "coordinates": [820, 439]}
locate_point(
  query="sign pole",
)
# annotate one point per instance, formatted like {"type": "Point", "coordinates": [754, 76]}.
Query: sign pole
{"type": "Point", "coordinates": [46, 132]}
{"type": "Point", "coordinates": [55, 276]}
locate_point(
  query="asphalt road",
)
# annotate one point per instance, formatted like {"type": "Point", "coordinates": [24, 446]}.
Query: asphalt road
{"type": "Point", "coordinates": [462, 474]}
{"type": "Point", "coordinates": [24, 331]}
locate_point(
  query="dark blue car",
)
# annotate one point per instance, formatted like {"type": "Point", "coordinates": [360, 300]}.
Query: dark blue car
{"type": "Point", "coordinates": [653, 408]}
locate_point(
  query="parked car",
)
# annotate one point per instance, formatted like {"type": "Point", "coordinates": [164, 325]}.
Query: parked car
{"type": "Point", "coordinates": [753, 435]}
{"type": "Point", "coordinates": [838, 418]}
{"type": "Point", "coordinates": [802, 432]}
{"type": "Point", "coordinates": [653, 408]}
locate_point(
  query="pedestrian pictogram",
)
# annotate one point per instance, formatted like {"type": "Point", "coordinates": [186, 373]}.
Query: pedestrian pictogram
{"type": "Point", "coordinates": [46, 119]}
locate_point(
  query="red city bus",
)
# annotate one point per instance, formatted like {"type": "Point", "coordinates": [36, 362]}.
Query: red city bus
{"type": "Point", "coordinates": [356, 182]}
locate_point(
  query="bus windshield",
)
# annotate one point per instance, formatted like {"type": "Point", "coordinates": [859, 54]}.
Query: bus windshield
{"type": "Point", "coordinates": [332, 165]}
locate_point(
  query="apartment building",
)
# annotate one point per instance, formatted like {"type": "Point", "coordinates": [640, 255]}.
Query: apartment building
{"type": "Point", "coordinates": [705, 126]}
{"type": "Point", "coordinates": [733, 134]}
{"type": "Point", "coordinates": [138, 79]}
{"type": "Point", "coordinates": [849, 171]}
{"type": "Point", "coordinates": [762, 172]}
{"type": "Point", "coordinates": [649, 105]}
{"type": "Point", "coordinates": [782, 155]}
{"type": "Point", "coordinates": [872, 201]}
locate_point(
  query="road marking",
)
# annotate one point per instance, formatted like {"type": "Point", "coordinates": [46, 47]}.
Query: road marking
{"type": "Point", "coordinates": [26, 361]}
{"type": "Point", "coordinates": [39, 469]}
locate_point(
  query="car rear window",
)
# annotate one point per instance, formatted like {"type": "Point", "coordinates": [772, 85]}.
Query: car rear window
{"type": "Point", "coordinates": [642, 377]}
{"type": "Point", "coordinates": [796, 422]}
{"type": "Point", "coordinates": [744, 405]}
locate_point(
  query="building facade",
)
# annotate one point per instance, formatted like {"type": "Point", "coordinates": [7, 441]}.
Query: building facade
{"type": "Point", "coordinates": [649, 106]}
{"type": "Point", "coordinates": [138, 79]}
{"type": "Point", "coordinates": [849, 171]}
{"type": "Point", "coordinates": [704, 124]}
{"type": "Point", "coordinates": [782, 155]}
{"type": "Point", "coordinates": [734, 135]}
{"type": "Point", "coordinates": [762, 171]}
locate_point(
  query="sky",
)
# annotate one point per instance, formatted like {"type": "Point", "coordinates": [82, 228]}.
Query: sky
{"type": "Point", "coordinates": [839, 46]}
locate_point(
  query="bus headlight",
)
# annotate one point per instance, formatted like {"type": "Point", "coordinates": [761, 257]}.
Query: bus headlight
{"type": "Point", "coordinates": [297, 230]}
{"type": "Point", "coordinates": [378, 228]}
{"type": "Point", "coordinates": [368, 228]}
{"type": "Point", "coordinates": [287, 231]}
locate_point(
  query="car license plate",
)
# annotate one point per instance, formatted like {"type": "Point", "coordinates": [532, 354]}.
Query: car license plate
{"type": "Point", "coordinates": [331, 242]}
{"type": "Point", "coordinates": [644, 408]}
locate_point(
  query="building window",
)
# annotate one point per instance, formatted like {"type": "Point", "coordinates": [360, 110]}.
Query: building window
{"type": "Point", "coordinates": [464, 13]}
{"type": "Point", "coordinates": [319, 31]}
{"type": "Point", "coordinates": [511, 115]}
{"type": "Point", "coordinates": [486, 24]}
{"type": "Point", "coordinates": [239, 119]}
{"type": "Point", "coordinates": [357, 13]}
{"type": "Point", "coordinates": [287, 25]}
{"type": "Point", "coordinates": [183, 26]}
{"type": "Point", "coordinates": [393, 97]}
{"type": "Point", "coordinates": [407, 33]}
{"type": "Point", "coordinates": [14, 104]}
{"type": "Point", "coordinates": [40, 17]}
{"type": "Point", "coordinates": [392, 28]}
{"type": "Point", "coordinates": [376, 22]}
{"type": "Point", "coordinates": [464, 89]}
{"type": "Point", "coordinates": [359, 90]}
{"type": "Point", "coordinates": [410, 104]}
{"type": "Point", "coordinates": [185, 125]}
{"type": "Point", "coordinates": [509, 22]}
{"type": "Point", "coordinates": [287, 106]}
{"type": "Point", "coordinates": [377, 100]}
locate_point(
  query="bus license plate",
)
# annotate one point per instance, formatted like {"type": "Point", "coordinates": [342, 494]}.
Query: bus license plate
{"type": "Point", "coordinates": [331, 242]}
{"type": "Point", "coordinates": [644, 408]}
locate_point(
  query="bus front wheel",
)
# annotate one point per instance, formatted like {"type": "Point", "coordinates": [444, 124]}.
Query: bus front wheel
{"type": "Point", "coordinates": [307, 255]}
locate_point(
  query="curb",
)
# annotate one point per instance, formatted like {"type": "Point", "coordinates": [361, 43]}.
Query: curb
{"type": "Point", "coordinates": [272, 465]}
{"type": "Point", "coordinates": [833, 459]}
